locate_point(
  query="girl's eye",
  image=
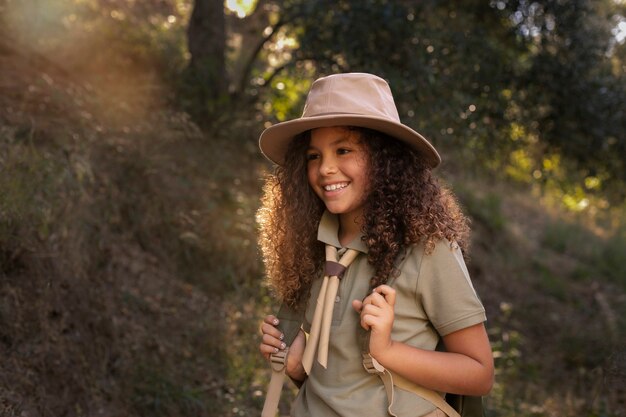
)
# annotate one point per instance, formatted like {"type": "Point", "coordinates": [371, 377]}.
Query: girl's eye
{"type": "Point", "coordinates": [311, 156]}
{"type": "Point", "coordinates": [343, 151]}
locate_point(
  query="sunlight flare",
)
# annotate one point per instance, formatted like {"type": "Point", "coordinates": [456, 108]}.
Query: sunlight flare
{"type": "Point", "coordinates": [241, 7]}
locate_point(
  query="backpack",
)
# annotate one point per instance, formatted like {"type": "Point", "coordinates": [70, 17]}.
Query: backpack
{"type": "Point", "coordinates": [290, 324]}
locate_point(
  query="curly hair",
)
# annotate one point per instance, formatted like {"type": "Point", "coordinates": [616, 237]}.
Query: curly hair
{"type": "Point", "coordinates": [405, 205]}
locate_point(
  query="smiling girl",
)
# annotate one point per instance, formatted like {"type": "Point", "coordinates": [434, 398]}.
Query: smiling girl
{"type": "Point", "coordinates": [351, 177]}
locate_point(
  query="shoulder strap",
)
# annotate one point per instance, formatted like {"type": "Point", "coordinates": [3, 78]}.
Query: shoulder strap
{"type": "Point", "coordinates": [289, 323]}
{"type": "Point", "coordinates": [392, 380]}
{"type": "Point", "coordinates": [452, 405]}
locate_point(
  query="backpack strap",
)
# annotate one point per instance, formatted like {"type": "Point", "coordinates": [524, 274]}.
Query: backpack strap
{"type": "Point", "coordinates": [275, 387]}
{"type": "Point", "coordinates": [392, 380]}
{"type": "Point", "coordinates": [290, 322]}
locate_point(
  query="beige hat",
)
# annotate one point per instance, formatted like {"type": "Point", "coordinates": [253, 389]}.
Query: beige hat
{"type": "Point", "coordinates": [353, 99]}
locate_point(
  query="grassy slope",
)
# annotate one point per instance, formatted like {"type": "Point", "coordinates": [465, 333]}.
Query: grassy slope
{"type": "Point", "coordinates": [119, 294]}
{"type": "Point", "coordinates": [130, 282]}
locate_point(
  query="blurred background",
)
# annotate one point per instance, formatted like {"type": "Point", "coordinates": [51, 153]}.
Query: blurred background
{"type": "Point", "coordinates": [130, 279]}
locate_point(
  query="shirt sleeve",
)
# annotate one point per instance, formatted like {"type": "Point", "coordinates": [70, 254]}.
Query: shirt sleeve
{"type": "Point", "coordinates": [446, 291]}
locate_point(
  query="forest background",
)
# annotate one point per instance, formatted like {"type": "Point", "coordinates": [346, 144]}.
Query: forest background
{"type": "Point", "coordinates": [130, 279]}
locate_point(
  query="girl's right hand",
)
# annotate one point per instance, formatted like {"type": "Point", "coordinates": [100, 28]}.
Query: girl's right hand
{"type": "Point", "coordinates": [272, 342]}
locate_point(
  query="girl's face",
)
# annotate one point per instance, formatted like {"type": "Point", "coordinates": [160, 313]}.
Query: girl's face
{"type": "Point", "coordinates": [337, 170]}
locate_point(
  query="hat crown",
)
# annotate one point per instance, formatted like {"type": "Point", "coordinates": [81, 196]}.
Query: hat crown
{"type": "Point", "coordinates": [353, 93]}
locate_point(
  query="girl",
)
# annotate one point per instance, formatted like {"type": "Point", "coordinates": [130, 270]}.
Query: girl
{"type": "Point", "coordinates": [350, 175]}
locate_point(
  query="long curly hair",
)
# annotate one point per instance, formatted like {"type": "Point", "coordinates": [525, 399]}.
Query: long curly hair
{"type": "Point", "coordinates": [405, 205]}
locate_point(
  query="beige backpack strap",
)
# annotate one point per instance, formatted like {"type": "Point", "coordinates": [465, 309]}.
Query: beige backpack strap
{"type": "Point", "coordinates": [390, 379]}
{"type": "Point", "coordinates": [322, 317]}
{"type": "Point", "coordinates": [278, 362]}
{"type": "Point", "coordinates": [290, 324]}
{"type": "Point", "coordinates": [372, 366]}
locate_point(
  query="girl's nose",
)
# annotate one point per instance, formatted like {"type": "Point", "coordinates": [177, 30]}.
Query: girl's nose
{"type": "Point", "coordinates": [328, 166]}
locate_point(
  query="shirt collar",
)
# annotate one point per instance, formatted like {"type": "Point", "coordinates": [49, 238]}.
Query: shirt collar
{"type": "Point", "coordinates": [328, 232]}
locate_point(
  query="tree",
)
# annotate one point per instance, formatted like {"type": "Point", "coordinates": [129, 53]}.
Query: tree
{"type": "Point", "coordinates": [206, 40]}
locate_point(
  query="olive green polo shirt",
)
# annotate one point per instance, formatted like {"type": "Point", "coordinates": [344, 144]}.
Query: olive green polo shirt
{"type": "Point", "coordinates": [434, 297]}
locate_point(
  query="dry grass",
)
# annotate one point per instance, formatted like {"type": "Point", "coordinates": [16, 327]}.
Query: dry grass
{"type": "Point", "coordinates": [126, 252]}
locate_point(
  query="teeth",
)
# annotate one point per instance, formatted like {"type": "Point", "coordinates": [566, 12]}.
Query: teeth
{"type": "Point", "coordinates": [334, 187]}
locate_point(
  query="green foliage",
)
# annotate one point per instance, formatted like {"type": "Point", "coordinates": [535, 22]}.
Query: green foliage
{"type": "Point", "coordinates": [564, 237]}
{"type": "Point", "coordinates": [287, 98]}
{"type": "Point", "coordinates": [156, 394]}
{"type": "Point", "coordinates": [573, 45]}
{"type": "Point", "coordinates": [31, 186]}
{"type": "Point", "coordinates": [551, 283]}
{"type": "Point", "coordinates": [506, 345]}
{"type": "Point", "coordinates": [485, 209]}
{"type": "Point", "coordinates": [604, 256]}
{"type": "Point", "coordinates": [611, 259]}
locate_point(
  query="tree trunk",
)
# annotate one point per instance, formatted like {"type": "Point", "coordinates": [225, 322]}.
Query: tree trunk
{"type": "Point", "coordinates": [206, 39]}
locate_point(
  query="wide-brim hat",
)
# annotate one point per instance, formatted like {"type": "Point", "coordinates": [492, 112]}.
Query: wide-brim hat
{"type": "Point", "coordinates": [352, 99]}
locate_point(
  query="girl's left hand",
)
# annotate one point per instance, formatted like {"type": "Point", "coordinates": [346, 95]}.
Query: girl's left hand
{"type": "Point", "coordinates": [376, 312]}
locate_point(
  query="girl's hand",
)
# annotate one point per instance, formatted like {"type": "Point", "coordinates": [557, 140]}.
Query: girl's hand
{"type": "Point", "coordinates": [376, 312]}
{"type": "Point", "coordinates": [272, 342]}
{"type": "Point", "coordinates": [272, 339]}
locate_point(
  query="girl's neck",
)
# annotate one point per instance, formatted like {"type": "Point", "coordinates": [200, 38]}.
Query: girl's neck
{"type": "Point", "coordinates": [349, 227]}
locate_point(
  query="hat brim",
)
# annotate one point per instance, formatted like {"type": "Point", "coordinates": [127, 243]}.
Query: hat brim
{"type": "Point", "coordinates": [275, 140]}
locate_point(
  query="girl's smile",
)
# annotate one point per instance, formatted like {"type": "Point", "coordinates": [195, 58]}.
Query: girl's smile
{"type": "Point", "coordinates": [334, 187]}
{"type": "Point", "coordinates": [337, 172]}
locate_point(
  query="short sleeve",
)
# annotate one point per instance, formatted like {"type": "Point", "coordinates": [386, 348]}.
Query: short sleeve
{"type": "Point", "coordinates": [446, 291]}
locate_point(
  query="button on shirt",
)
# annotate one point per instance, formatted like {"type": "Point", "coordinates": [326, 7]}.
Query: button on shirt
{"type": "Point", "coordinates": [434, 297]}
